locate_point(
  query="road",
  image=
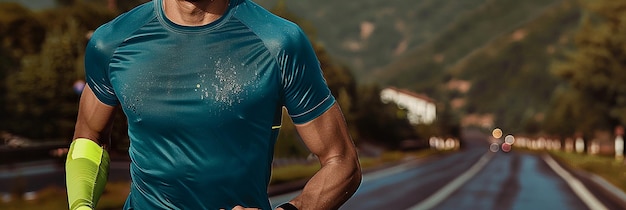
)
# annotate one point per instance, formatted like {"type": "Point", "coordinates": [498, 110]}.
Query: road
{"type": "Point", "coordinates": [475, 178]}
{"type": "Point", "coordinates": [472, 178]}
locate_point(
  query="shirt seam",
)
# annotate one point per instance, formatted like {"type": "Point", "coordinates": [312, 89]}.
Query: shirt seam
{"type": "Point", "coordinates": [313, 108]}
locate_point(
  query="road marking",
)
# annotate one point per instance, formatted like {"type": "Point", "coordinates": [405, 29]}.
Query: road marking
{"type": "Point", "coordinates": [609, 187]}
{"type": "Point", "coordinates": [390, 171]}
{"type": "Point", "coordinates": [444, 192]}
{"type": "Point", "coordinates": [579, 189]}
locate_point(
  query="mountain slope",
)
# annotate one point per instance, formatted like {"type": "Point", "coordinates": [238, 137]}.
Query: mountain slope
{"type": "Point", "coordinates": [510, 75]}
{"type": "Point", "coordinates": [369, 34]}
{"type": "Point", "coordinates": [508, 72]}
{"type": "Point", "coordinates": [477, 28]}
{"type": "Point", "coordinates": [502, 47]}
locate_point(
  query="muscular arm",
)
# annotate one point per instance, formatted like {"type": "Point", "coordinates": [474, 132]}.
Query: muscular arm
{"type": "Point", "coordinates": [94, 118]}
{"type": "Point", "coordinates": [340, 175]}
{"type": "Point", "coordinates": [87, 163]}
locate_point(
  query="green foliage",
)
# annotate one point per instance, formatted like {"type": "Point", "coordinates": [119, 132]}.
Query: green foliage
{"type": "Point", "coordinates": [45, 50]}
{"type": "Point", "coordinates": [21, 33]}
{"type": "Point", "coordinates": [594, 71]}
{"type": "Point", "coordinates": [565, 114]}
{"type": "Point", "coordinates": [383, 124]}
{"type": "Point", "coordinates": [447, 124]}
{"type": "Point", "coordinates": [40, 82]}
{"type": "Point", "coordinates": [509, 75]}
{"type": "Point", "coordinates": [470, 32]}
{"type": "Point", "coordinates": [505, 59]}
{"type": "Point", "coordinates": [398, 24]}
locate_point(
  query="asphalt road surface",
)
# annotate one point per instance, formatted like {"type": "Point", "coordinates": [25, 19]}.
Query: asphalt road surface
{"type": "Point", "coordinates": [475, 178]}
{"type": "Point", "coordinates": [472, 178]}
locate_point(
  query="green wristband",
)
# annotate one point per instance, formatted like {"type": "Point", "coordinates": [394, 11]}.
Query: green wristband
{"type": "Point", "coordinates": [86, 168]}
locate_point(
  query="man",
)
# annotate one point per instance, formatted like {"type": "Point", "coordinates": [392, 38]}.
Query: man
{"type": "Point", "coordinates": [202, 84]}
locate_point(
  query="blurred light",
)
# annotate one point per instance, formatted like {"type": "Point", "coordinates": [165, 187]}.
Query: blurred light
{"type": "Point", "coordinates": [6, 197]}
{"type": "Point", "coordinates": [78, 86]}
{"type": "Point", "coordinates": [541, 143]}
{"type": "Point", "coordinates": [440, 144]}
{"type": "Point", "coordinates": [432, 142]}
{"type": "Point", "coordinates": [450, 143]}
{"type": "Point", "coordinates": [506, 147]}
{"type": "Point", "coordinates": [509, 139]}
{"type": "Point", "coordinates": [496, 133]}
{"type": "Point", "coordinates": [494, 147]}
{"type": "Point", "coordinates": [29, 196]}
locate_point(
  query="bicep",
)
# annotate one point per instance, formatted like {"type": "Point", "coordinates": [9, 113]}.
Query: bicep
{"type": "Point", "coordinates": [94, 117]}
{"type": "Point", "coordinates": [327, 135]}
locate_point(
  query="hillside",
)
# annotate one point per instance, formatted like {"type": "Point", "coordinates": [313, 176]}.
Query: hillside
{"type": "Point", "coordinates": [476, 29]}
{"type": "Point", "coordinates": [510, 75]}
{"type": "Point", "coordinates": [505, 59]}
{"type": "Point", "coordinates": [369, 34]}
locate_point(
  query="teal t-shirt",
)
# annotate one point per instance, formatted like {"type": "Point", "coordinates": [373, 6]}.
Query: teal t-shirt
{"type": "Point", "coordinates": [204, 103]}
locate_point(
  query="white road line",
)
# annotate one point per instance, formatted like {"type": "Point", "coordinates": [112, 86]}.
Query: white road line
{"type": "Point", "coordinates": [579, 189]}
{"type": "Point", "coordinates": [444, 192]}
{"type": "Point", "coordinates": [609, 187]}
{"type": "Point", "coordinates": [389, 171]}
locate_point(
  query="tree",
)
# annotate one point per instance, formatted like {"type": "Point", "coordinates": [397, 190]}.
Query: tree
{"type": "Point", "coordinates": [46, 50]}
{"type": "Point", "coordinates": [594, 70]}
{"type": "Point", "coordinates": [379, 123]}
{"type": "Point", "coordinates": [42, 96]}
{"type": "Point", "coordinates": [21, 34]}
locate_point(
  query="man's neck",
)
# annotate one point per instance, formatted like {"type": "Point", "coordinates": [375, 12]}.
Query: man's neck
{"type": "Point", "coordinates": [194, 12]}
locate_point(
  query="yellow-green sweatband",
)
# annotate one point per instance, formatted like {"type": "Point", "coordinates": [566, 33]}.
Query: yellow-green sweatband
{"type": "Point", "coordinates": [86, 172]}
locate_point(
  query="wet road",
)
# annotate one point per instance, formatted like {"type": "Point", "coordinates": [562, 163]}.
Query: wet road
{"type": "Point", "coordinates": [475, 178]}
{"type": "Point", "coordinates": [472, 178]}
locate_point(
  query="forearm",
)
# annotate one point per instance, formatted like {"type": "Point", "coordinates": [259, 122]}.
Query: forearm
{"type": "Point", "coordinates": [340, 175]}
{"type": "Point", "coordinates": [332, 185]}
{"type": "Point", "coordinates": [87, 168]}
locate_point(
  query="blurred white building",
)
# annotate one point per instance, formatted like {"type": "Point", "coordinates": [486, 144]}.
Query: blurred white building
{"type": "Point", "coordinates": [420, 108]}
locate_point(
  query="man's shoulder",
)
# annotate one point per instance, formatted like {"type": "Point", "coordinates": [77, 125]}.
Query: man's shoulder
{"type": "Point", "coordinates": [126, 23]}
{"type": "Point", "coordinates": [111, 34]}
{"type": "Point", "coordinates": [277, 33]}
{"type": "Point", "coordinates": [263, 21]}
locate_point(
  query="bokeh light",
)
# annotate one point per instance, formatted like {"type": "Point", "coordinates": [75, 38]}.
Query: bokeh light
{"type": "Point", "coordinates": [78, 86]}
{"type": "Point", "coordinates": [506, 147]}
{"type": "Point", "coordinates": [509, 139]}
{"type": "Point", "coordinates": [494, 147]}
{"type": "Point", "coordinates": [496, 133]}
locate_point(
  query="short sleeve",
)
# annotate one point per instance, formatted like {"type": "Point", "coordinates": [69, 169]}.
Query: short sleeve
{"type": "Point", "coordinates": [306, 93]}
{"type": "Point", "coordinates": [97, 56]}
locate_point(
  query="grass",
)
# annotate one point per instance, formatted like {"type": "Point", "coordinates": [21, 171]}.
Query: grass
{"type": "Point", "coordinates": [607, 167]}
{"type": "Point", "coordinates": [115, 194]}
{"type": "Point", "coordinates": [293, 173]}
